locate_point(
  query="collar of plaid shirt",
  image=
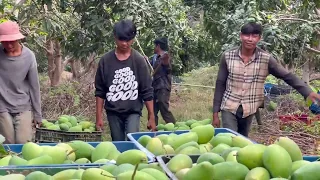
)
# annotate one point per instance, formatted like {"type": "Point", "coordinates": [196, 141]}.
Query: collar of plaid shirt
{"type": "Point", "coordinates": [245, 83]}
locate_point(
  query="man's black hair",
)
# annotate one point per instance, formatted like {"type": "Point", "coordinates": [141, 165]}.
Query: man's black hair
{"type": "Point", "coordinates": [125, 30]}
{"type": "Point", "coordinates": [251, 28]}
{"type": "Point", "coordinates": [162, 42]}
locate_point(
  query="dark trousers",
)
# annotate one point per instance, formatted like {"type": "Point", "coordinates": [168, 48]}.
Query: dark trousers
{"type": "Point", "coordinates": [236, 122]}
{"type": "Point", "coordinates": [161, 103]}
{"type": "Point", "coordinates": [122, 124]}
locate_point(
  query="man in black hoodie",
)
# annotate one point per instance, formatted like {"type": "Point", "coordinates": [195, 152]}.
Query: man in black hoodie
{"type": "Point", "coordinates": [122, 84]}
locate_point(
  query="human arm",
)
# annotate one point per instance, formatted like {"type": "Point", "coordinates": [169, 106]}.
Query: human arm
{"type": "Point", "coordinates": [100, 94]}
{"type": "Point", "coordinates": [146, 91]}
{"type": "Point", "coordinates": [280, 72]}
{"type": "Point", "coordinates": [219, 89]}
{"type": "Point", "coordinates": [35, 95]}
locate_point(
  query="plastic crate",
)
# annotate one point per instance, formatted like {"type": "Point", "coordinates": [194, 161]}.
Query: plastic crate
{"type": "Point", "coordinates": [5, 170]}
{"type": "Point", "coordinates": [163, 160]}
{"type": "Point", "coordinates": [311, 158]}
{"type": "Point", "coordinates": [53, 136]}
{"type": "Point", "coordinates": [120, 145]}
{"type": "Point", "coordinates": [135, 136]}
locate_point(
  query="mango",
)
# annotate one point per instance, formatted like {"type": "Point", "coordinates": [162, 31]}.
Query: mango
{"type": "Point", "coordinates": [229, 170]}
{"type": "Point", "coordinates": [132, 156]}
{"type": "Point", "coordinates": [204, 132]}
{"type": "Point", "coordinates": [196, 124]}
{"type": "Point", "coordinates": [64, 127]}
{"type": "Point", "coordinates": [258, 173]}
{"type": "Point", "coordinates": [5, 160]}
{"type": "Point", "coordinates": [31, 150]}
{"type": "Point", "coordinates": [13, 177]}
{"type": "Point", "coordinates": [69, 124]}
{"type": "Point", "coordinates": [54, 127]}
{"type": "Point", "coordinates": [226, 134]}
{"type": "Point", "coordinates": [178, 162]}
{"type": "Point", "coordinates": [205, 148]}
{"type": "Point", "coordinates": [102, 151]}
{"type": "Point", "coordinates": [70, 154]}
{"type": "Point", "coordinates": [215, 141]}
{"type": "Point", "coordinates": [168, 149]}
{"type": "Point", "coordinates": [182, 139]}
{"type": "Point", "coordinates": [155, 146]}
{"type": "Point", "coordinates": [277, 161]}
{"type": "Point", "coordinates": [122, 168]}
{"type": "Point", "coordinates": [190, 122]}
{"type": "Point", "coordinates": [62, 119]}
{"type": "Point", "coordinates": [17, 161]}
{"type": "Point", "coordinates": [181, 173]}
{"type": "Point", "coordinates": [109, 167]}
{"type": "Point", "coordinates": [41, 160]}
{"type": "Point", "coordinates": [78, 174]}
{"type": "Point", "coordinates": [160, 127]}
{"type": "Point", "coordinates": [220, 148]}
{"type": "Point", "coordinates": [163, 138]}
{"type": "Point", "coordinates": [251, 155]}
{"type": "Point", "coordinates": [65, 174]}
{"type": "Point", "coordinates": [38, 175]}
{"type": "Point", "coordinates": [73, 120]}
{"type": "Point", "coordinates": [189, 150]}
{"type": "Point", "coordinates": [309, 171]}
{"type": "Point", "coordinates": [82, 161]}
{"type": "Point", "coordinates": [206, 122]}
{"type": "Point", "coordinates": [144, 140]}
{"type": "Point", "coordinates": [138, 176]}
{"type": "Point", "coordinates": [212, 158]}
{"type": "Point", "coordinates": [77, 128]}
{"type": "Point", "coordinates": [169, 127]}
{"type": "Point", "coordinates": [102, 161]}
{"type": "Point", "coordinates": [96, 174]}
{"type": "Point", "coordinates": [292, 148]}
{"type": "Point", "coordinates": [240, 141]}
{"type": "Point", "coordinates": [113, 155]}
{"type": "Point", "coordinates": [232, 156]}
{"type": "Point", "coordinates": [201, 171]}
{"type": "Point", "coordinates": [226, 152]}
{"type": "Point", "coordinates": [85, 124]}
{"type": "Point", "coordinates": [82, 149]}
{"type": "Point", "coordinates": [298, 164]}
{"type": "Point", "coordinates": [58, 154]}
{"type": "Point", "coordinates": [191, 143]}
{"type": "Point", "coordinates": [158, 175]}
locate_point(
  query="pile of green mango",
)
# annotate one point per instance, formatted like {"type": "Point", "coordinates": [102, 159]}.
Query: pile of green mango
{"type": "Point", "coordinates": [196, 141]}
{"type": "Point", "coordinates": [183, 125]}
{"type": "Point", "coordinates": [125, 171]}
{"type": "Point", "coordinates": [241, 160]}
{"type": "Point", "coordinates": [69, 124]}
{"type": "Point", "coordinates": [73, 152]}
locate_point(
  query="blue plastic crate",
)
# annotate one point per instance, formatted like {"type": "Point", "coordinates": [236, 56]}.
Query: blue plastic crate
{"type": "Point", "coordinates": [121, 146]}
{"type": "Point", "coordinates": [5, 170]}
{"type": "Point", "coordinates": [135, 136]}
{"type": "Point", "coordinates": [311, 158]}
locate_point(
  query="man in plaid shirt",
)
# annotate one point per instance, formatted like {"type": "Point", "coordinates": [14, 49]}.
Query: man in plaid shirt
{"type": "Point", "coordinates": [240, 83]}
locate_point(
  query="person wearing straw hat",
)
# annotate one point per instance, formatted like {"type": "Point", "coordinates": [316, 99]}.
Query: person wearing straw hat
{"type": "Point", "coordinates": [122, 83]}
{"type": "Point", "coordinates": [20, 103]}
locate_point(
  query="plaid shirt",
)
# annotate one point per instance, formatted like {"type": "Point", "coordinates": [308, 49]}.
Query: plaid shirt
{"type": "Point", "coordinates": [243, 84]}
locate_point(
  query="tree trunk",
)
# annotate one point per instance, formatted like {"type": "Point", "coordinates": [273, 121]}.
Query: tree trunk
{"type": "Point", "coordinates": [306, 72]}
{"type": "Point", "coordinates": [54, 56]}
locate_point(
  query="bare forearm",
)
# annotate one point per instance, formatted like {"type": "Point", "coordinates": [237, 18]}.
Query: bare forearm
{"type": "Point", "coordinates": [149, 105]}
{"type": "Point", "coordinates": [99, 107]}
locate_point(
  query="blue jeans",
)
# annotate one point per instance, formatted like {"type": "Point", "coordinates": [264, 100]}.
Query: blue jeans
{"type": "Point", "coordinates": [122, 124]}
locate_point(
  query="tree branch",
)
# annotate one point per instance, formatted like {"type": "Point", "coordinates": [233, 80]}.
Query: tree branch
{"type": "Point", "coordinates": [298, 19]}
{"type": "Point", "coordinates": [313, 50]}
